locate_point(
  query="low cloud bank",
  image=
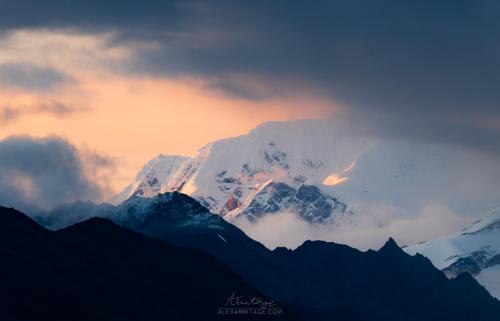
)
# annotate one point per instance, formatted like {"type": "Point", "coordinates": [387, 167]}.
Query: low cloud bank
{"type": "Point", "coordinates": [368, 230]}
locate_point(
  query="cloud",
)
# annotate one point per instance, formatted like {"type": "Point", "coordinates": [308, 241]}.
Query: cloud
{"type": "Point", "coordinates": [31, 77]}
{"type": "Point", "coordinates": [10, 113]}
{"type": "Point", "coordinates": [45, 172]}
{"type": "Point", "coordinates": [425, 70]}
{"type": "Point", "coordinates": [91, 15]}
{"type": "Point", "coordinates": [370, 231]}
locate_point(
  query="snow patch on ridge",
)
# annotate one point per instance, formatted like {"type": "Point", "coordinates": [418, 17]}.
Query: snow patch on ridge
{"type": "Point", "coordinates": [476, 250]}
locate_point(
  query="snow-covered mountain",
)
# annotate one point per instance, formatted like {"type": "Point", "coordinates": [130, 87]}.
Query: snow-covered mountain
{"type": "Point", "coordinates": [151, 178]}
{"type": "Point", "coordinates": [278, 166]}
{"type": "Point", "coordinates": [475, 249]}
{"type": "Point", "coordinates": [176, 208]}
{"type": "Point", "coordinates": [316, 168]}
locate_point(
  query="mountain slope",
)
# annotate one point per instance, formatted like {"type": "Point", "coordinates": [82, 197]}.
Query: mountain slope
{"type": "Point", "coordinates": [151, 178]}
{"type": "Point", "coordinates": [475, 249]}
{"type": "Point", "coordinates": [96, 270]}
{"type": "Point", "coordinates": [181, 220]}
{"type": "Point", "coordinates": [320, 280]}
{"type": "Point", "coordinates": [228, 175]}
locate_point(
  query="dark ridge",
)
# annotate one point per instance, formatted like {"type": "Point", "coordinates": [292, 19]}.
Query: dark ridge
{"type": "Point", "coordinates": [323, 281]}
{"type": "Point", "coordinates": [92, 224]}
{"type": "Point", "coordinates": [281, 250]}
{"type": "Point", "coordinates": [11, 220]}
{"type": "Point", "coordinates": [97, 270]}
{"type": "Point", "coordinates": [319, 281]}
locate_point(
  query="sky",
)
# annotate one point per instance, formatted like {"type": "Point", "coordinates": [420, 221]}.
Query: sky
{"type": "Point", "coordinates": [90, 90]}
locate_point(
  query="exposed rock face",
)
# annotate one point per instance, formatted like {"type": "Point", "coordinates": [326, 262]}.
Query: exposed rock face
{"type": "Point", "coordinates": [232, 203]}
{"type": "Point", "coordinates": [307, 201]}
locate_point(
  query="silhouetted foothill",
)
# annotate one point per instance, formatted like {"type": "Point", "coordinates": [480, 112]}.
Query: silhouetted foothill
{"type": "Point", "coordinates": [97, 270]}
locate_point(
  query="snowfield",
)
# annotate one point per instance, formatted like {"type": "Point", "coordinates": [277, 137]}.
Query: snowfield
{"type": "Point", "coordinates": [476, 249]}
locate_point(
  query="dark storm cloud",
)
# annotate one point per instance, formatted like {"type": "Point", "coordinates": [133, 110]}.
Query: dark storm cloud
{"type": "Point", "coordinates": [9, 112]}
{"type": "Point", "coordinates": [418, 69]}
{"type": "Point", "coordinates": [44, 172]}
{"type": "Point", "coordinates": [31, 77]}
{"type": "Point", "coordinates": [89, 14]}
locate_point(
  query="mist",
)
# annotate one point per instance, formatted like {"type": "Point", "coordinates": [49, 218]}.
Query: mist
{"type": "Point", "coordinates": [369, 230]}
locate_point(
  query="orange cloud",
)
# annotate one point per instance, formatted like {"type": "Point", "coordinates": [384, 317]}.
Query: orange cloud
{"type": "Point", "coordinates": [133, 118]}
{"type": "Point", "coordinates": [136, 118]}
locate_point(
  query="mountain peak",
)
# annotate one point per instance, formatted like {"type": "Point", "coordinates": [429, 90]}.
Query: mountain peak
{"type": "Point", "coordinates": [227, 175]}
{"type": "Point", "coordinates": [13, 221]}
{"type": "Point", "coordinates": [165, 212]}
{"type": "Point", "coordinates": [92, 225]}
{"type": "Point", "coordinates": [391, 246]}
